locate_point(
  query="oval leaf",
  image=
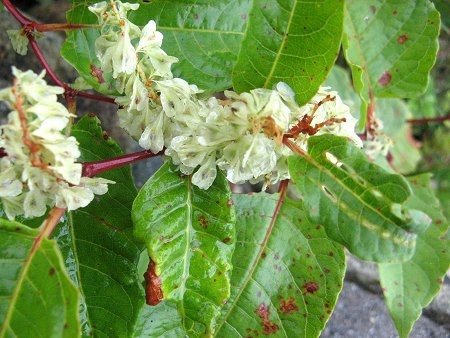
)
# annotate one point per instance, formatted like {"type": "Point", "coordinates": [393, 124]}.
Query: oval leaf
{"type": "Point", "coordinates": [98, 244]}
{"type": "Point", "coordinates": [391, 46]}
{"type": "Point", "coordinates": [291, 41]}
{"type": "Point", "coordinates": [287, 274]}
{"type": "Point", "coordinates": [37, 298]}
{"type": "Point", "coordinates": [190, 236]}
{"type": "Point", "coordinates": [359, 203]}
{"type": "Point", "coordinates": [410, 286]}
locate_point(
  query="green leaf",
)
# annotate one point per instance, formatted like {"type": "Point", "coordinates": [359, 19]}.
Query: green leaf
{"type": "Point", "coordinates": [405, 152]}
{"type": "Point", "coordinates": [291, 41]}
{"type": "Point", "coordinates": [391, 46]}
{"type": "Point", "coordinates": [98, 245]}
{"type": "Point", "coordinates": [287, 274]}
{"type": "Point", "coordinates": [189, 233]}
{"type": "Point", "coordinates": [359, 204]}
{"type": "Point", "coordinates": [37, 298]}
{"type": "Point", "coordinates": [204, 35]}
{"type": "Point", "coordinates": [162, 320]}
{"type": "Point", "coordinates": [412, 285]}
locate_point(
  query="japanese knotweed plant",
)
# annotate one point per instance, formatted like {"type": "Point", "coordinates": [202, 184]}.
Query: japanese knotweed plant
{"type": "Point", "coordinates": [237, 92]}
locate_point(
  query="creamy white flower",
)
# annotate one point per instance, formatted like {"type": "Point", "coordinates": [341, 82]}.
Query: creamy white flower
{"type": "Point", "coordinates": [39, 173]}
{"type": "Point", "coordinates": [150, 37]}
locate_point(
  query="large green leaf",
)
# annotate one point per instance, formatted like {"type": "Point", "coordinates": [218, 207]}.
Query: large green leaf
{"type": "Point", "coordinates": [291, 41]}
{"type": "Point", "coordinates": [37, 298]}
{"type": "Point", "coordinates": [391, 46]}
{"type": "Point", "coordinates": [98, 246]}
{"type": "Point", "coordinates": [287, 274]}
{"type": "Point", "coordinates": [190, 236]}
{"type": "Point", "coordinates": [359, 204]}
{"type": "Point", "coordinates": [204, 35]}
{"type": "Point", "coordinates": [410, 286]}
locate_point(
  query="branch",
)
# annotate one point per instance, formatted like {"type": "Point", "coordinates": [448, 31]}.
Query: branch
{"type": "Point", "coordinates": [29, 27]}
{"type": "Point", "coordinates": [428, 120]}
{"type": "Point", "coordinates": [94, 168]}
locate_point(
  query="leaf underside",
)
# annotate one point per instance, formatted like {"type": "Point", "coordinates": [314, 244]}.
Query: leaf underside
{"type": "Point", "coordinates": [190, 236]}
{"type": "Point", "coordinates": [354, 199]}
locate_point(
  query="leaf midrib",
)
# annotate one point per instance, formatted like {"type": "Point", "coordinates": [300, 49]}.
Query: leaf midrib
{"type": "Point", "coordinates": [254, 264]}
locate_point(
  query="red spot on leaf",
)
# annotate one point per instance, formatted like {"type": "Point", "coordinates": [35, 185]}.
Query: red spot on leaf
{"type": "Point", "coordinates": [385, 79]}
{"type": "Point", "coordinates": [277, 256]}
{"type": "Point", "coordinates": [402, 39]}
{"type": "Point", "coordinates": [263, 255]}
{"type": "Point", "coordinates": [311, 287]}
{"type": "Point", "coordinates": [153, 292]}
{"type": "Point", "coordinates": [105, 135]}
{"type": "Point", "coordinates": [203, 222]}
{"type": "Point", "coordinates": [97, 73]}
{"type": "Point", "coordinates": [269, 327]}
{"type": "Point", "coordinates": [226, 240]}
{"type": "Point", "coordinates": [288, 306]}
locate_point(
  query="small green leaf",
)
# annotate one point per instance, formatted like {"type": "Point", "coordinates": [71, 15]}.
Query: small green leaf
{"type": "Point", "coordinates": [162, 320]}
{"type": "Point", "coordinates": [287, 274]}
{"type": "Point", "coordinates": [359, 204]}
{"type": "Point", "coordinates": [98, 244]}
{"type": "Point", "coordinates": [412, 285]}
{"type": "Point", "coordinates": [189, 233]}
{"type": "Point", "coordinates": [291, 41]}
{"type": "Point", "coordinates": [204, 35]}
{"type": "Point", "coordinates": [391, 46]}
{"type": "Point", "coordinates": [37, 297]}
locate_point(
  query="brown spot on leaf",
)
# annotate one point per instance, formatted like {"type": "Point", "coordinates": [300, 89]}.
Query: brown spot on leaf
{"type": "Point", "coordinates": [226, 240]}
{"type": "Point", "coordinates": [402, 39]}
{"type": "Point", "coordinates": [51, 271]}
{"type": "Point", "coordinates": [105, 135]}
{"type": "Point", "coordinates": [269, 327]}
{"type": "Point", "coordinates": [92, 115]}
{"type": "Point", "coordinates": [203, 222]}
{"type": "Point", "coordinates": [263, 255]}
{"type": "Point", "coordinates": [277, 256]}
{"type": "Point", "coordinates": [385, 79]}
{"type": "Point", "coordinates": [311, 287]}
{"type": "Point", "coordinates": [288, 306]}
{"type": "Point", "coordinates": [439, 280]}
{"type": "Point", "coordinates": [97, 73]}
{"type": "Point", "coordinates": [331, 254]}
{"type": "Point", "coordinates": [153, 292]}
{"type": "Point", "coordinates": [373, 9]}
{"type": "Point", "coordinates": [230, 203]}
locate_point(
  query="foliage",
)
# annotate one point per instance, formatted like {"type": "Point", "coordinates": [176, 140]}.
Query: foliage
{"type": "Point", "coordinates": [218, 263]}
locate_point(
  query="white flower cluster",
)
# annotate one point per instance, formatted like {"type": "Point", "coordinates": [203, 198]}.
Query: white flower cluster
{"type": "Point", "coordinates": [241, 135]}
{"type": "Point", "coordinates": [40, 169]}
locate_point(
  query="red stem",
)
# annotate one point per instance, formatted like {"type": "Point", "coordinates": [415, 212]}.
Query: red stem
{"type": "Point", "coordinates": [94, 168]}
{"type": "Point", "coordinates": [29, 26]}
{"type": "Point", "coordinates": [431, 119]}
